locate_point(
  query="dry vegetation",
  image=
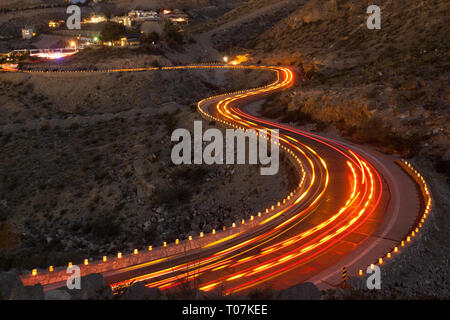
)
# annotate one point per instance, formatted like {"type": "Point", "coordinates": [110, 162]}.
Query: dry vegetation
{"type": "Point", "coordinates": [388, 88]}
{"type": "Point", "coordinates": [365, 82]}
{"type": "Point", "coordinates": [91, 173]}
{"type": "Point", "coordinates": [384, 87]}
{"type": "Point", "coordinates": [248, 7]}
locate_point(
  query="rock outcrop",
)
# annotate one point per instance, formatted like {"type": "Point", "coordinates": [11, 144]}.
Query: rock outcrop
{"type": "Point", "coordinates": [302, 291]}
{"type": "Point", "coordinates": [139, 291]}
{"type": "Point", "coordinates": [12, 288]}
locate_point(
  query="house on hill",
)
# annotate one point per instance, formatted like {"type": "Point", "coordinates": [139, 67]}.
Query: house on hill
{"type": "Point", "coordinates": [131, 39]}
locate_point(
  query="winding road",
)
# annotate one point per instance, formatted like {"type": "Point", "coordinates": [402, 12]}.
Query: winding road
{"type": "Point", "coordinates": [352, 207]}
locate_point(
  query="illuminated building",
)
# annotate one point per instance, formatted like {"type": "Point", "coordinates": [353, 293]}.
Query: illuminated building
{"type": "Point", "coordinates": [28, 32]}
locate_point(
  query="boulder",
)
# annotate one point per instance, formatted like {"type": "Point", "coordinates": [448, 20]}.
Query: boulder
{"type": "Point", "coordinates": [35, 292]}
{"type": "Point", "coordinates": [357, 283]}
{"type": "Point", "coordinates": [10, 285]}
{"type": "Point", "coordinates": [57, 295]}
{"type": "Point", "coordinates": [303, 291]}
{"type": "Point", "coordinates": [92, 287]}
{"type": "Point", "coordinates": [139, 291]}
{"type": "Point", "coordinates": [12, 288]}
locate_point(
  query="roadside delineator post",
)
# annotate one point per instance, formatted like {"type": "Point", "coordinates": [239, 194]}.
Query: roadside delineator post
{"type": "Point", "coordinates": [344, 276]}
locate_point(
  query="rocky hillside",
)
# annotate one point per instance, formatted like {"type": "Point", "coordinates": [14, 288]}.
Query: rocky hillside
{"type": "Point", "coordinates": [244, 11]}
{"type": "Point", "coordinates": [387, 88]}
{"type": "Point", "coordinates": [172, 4]}
{"type": "Point", "coordinates": [358, 79]}
{"type": "Point", "coordinates": [20, 4]}
{"type": "Point", "coordinates": [362, 79]}
{"type": "Point", "coordinates": [249, 22]}
{"type": "Point", "coordinates": [86, 168]}
{"type": "Point", "coordinates": [156, 4]}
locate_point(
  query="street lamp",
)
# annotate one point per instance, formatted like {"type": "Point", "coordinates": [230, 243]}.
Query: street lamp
{"type": "Point", "coordinates": [225, 59]}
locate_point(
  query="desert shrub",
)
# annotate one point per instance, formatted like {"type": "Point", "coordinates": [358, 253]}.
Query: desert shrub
{"type": "Point", "coordinates": [6, 261]}
{"type": "Point", "coordinates": [171, 32]}
{"type": "Point", "coordinates": [44, 126]}
{"type": "Point", "coordinates": [193, 174]}
{"type": "Point", "coordinates": [443, 166]}
{"type": "Point", "coordinates": [151, 38]}
{"type": "Point", "coordinates": [210, 86]}
{"type": "Point", "coordinates": [112, 31]}
{"type": "Point", "coordinates": [104, 226]}
{"type": "Point", "coordinates": [151, 234]}
{"type": "Point", "coordinates": [261, 294]}
{"type": "Point", "coordinates": [375, 131]}
{"type": "Point", "coordinates": [6, 138]}
{"type": "Point", "coordinates": [101, 175]}
{"type": "Point", "coordinates": [173, 35]}
{"type": "Point", "coordinates": [12, 183]}
{"type": "Point", "coordinates": [74, 126]}
{"type": "Point", "coordinates": [172, 195]}
{"type": "Point", "coordinates": [371, 130]}
{"type": "Point", "coordinates": [406, 145]}
{"type": "Point", "coordinates": [297, 116]}
{"type": "Point", "coordinates": [148, 49]}
{"type": "Point", "coordinates": [321, 126]}
{"type": "Point", "coordinates": [170, 122]}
